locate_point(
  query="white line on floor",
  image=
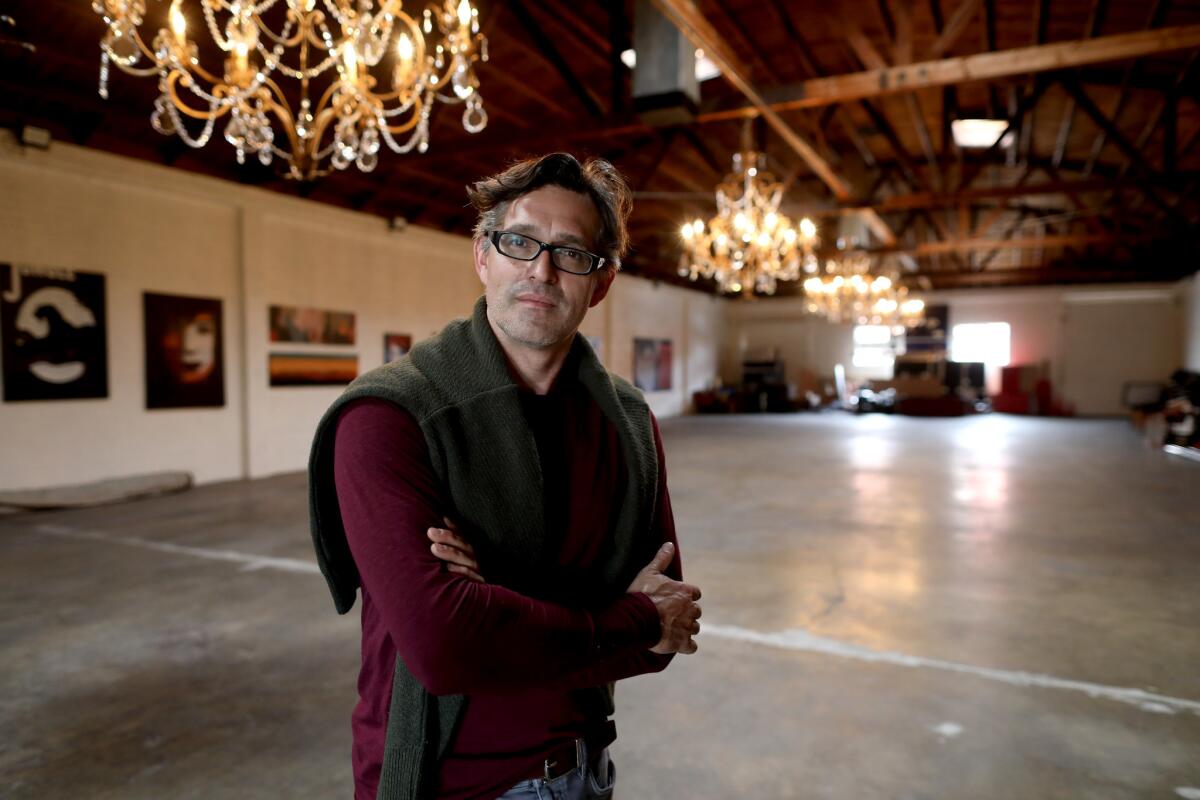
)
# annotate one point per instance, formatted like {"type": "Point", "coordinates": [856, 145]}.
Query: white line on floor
{"type": "Point", "coordinates": [792, 639]}
{"type": "Point", "coordinates": [796, 639]}
{"type": "Point", "coordinates": [248, 561]}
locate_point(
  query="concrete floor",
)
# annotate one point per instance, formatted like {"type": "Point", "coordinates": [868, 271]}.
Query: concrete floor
{"type": "Point", "coordinates": [895, 608]}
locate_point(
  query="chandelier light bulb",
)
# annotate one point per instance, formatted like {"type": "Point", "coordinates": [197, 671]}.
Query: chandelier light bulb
{"type": "Point", "coordinates": [178, 22]}
{"type": "Point", "coordinates": [464, 13]}
{"type": "Point", "coordinates": [404, 49]}
{"type": "Point", "coordinates": [686, 231]}
{"type": "Point", "coordinates": [881, 284]}
{"type": "Point", "coordinates": [808, 229]}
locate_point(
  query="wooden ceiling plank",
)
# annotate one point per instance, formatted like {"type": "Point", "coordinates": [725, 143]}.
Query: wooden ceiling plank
{"type": "Point", "coordinates": [733, 24]}
{"type": "Point", "coordinates": [800, 53]}
{"type": "Point", "coordinates": [902, 40]}
{"type": "Point", "coordinates": [1135, 157]}
{"type": "Point", "coordinates": [1152, 21]}
{"type": "Point", "coordinates": [952, 199]}
{"type": "Point", "coordinates": [955, 27]}
{"type": "Point", "coordinates": [989, 46]}
{"type": "Point", "coordinates": [545, 45]}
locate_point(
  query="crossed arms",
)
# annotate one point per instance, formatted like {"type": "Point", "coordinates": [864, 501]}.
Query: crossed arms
{"type": "Point", "coordinates": [458, 634]}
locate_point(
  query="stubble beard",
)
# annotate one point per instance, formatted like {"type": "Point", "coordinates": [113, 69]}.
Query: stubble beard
{"type": "Point", "coordinates": [532, 328]}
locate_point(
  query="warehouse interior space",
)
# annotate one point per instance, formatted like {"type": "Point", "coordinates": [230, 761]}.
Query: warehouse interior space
{"type": "Point", "coordinates": [929, 435]}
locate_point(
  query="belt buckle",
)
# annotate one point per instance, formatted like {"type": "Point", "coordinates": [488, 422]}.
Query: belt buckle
{"type": "Point", "coordinates": [549, 764]}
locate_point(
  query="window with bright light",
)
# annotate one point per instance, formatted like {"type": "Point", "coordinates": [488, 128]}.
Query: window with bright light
{"type": "Point", "coordinates": [988, 342]}
{"type": "Point", "coordinates": [873, 347]}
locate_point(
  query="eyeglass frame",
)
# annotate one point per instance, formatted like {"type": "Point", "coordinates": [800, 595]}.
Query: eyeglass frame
{"type": "Point", "coordinates": [599, 261]}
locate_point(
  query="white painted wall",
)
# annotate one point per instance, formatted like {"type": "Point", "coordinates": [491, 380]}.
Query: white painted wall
{"type": "Point", "coordinates": [151, 228]}
{"type": "Point", "coordinates": [1189, 291]}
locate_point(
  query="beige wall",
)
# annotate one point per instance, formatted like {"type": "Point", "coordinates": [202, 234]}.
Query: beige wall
{"type": "Point", "coordinates": [150, 228]}
{"type": "Point", "coordinates": [1189, 290]}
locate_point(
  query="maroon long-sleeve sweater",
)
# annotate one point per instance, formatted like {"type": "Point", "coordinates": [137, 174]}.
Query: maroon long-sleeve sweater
{"type": "Point", "coordinates": [518, 659]}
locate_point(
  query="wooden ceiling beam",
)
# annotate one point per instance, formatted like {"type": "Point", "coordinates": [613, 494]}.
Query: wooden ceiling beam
{"type": "Point", "coordinates": [955, 27]}
{"type": "Point", "coordinates": [545, 45]}
{"type": "Point", "coordinates": [974, 68]}
{"type": "Point", "coordinates": [697, 29]}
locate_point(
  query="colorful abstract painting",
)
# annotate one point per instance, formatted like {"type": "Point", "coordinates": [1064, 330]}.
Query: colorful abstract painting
{"type": "Point", "coordinates": [184, 352]}
{"type": "Point", "coordinates": [311, 325]}
{"type": "Point", "coordinates": [311, 369]}
{"type": "Point", "coordinates": [652, 364]}
{"type": "Point", "coordinates": [53, 334]}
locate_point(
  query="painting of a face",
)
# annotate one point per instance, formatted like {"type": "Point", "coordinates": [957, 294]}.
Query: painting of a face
{"type": "Point", "coordinates": [183, 352]}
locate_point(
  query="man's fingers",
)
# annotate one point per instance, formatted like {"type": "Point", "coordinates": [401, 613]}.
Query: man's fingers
{"type": "Point", "coordinates": [449, 523]}
{"type": "Point", "coordinates": [443, 536]}
{"type": "Point", "coordinates": [470, 573]}
{"type": "Point", "coordinates": [662, 559]}
{"type": "Point", "coordinates": [452, 555]}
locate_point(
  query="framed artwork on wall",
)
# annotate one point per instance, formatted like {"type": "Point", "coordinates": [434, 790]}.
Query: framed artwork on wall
{"type": "Point", "coordinates": [311, 325]}
{"type": "Point", "coordinates": [311, 369]}
{"type": "Point", "coordinates": [652, 364]}
{"type": "Point", "coordinates": [395, 346]}
{"type": "Point", "coordinates": [185, 364]}
{"type": "Point", "coordinates": [53, 332]}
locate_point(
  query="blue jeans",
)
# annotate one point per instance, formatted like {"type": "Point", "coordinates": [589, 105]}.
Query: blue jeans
{"type": "Point", "coordinates": [578, 784]}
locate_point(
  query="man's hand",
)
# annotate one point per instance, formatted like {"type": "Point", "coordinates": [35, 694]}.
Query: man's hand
{"type": "Point", "coordinates": [678, 610]}
{"type": "Point", "coordinates": [454, 551]}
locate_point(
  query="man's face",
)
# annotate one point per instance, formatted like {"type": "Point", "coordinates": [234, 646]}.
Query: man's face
{"type": "Point", "coordinates": [532, 304]}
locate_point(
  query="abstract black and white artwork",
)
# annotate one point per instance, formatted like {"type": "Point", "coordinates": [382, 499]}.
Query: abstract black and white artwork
{"type": "Point", "coordinates": [53, 334]}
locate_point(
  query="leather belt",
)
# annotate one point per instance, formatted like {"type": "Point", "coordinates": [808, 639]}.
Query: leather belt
{"type": "Point", "coordinates": [569, 757]}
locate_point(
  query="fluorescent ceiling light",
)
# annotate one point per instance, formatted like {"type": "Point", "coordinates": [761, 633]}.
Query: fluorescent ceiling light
{"type": "Point", "coordinates": [705, 68]}
{"type": "Point", "coordinates": [981, 133]}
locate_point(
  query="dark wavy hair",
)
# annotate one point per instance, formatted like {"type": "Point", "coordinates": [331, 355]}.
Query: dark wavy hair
{"type": "Point", "coordinates": [596, 179]}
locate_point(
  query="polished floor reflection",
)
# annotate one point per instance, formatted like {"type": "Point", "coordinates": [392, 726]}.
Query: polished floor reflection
{"type": "Point", "coordinates": [896, 608]}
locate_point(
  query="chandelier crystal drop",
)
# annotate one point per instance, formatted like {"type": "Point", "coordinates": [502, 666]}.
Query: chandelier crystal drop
{"type": "Point", "coordinates": [749, 245]}
{"type": "Point", "coordinates": [374, 70]}
{"type": "Point", "coordinates": [846, 290]}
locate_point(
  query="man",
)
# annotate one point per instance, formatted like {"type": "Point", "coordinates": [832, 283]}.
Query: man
{"type": "Point", "coordinates": [501, 500]}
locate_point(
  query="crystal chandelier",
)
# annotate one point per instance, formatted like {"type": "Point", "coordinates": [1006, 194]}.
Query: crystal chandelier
{"type": "Point", "coordinates": [847, 291]}
{"type": "Point", "coordinates": [345, 40]}
{"type": "Point", "coordinates": [748, 245]}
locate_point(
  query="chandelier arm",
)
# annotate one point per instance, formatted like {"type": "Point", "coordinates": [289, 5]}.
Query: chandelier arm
{"type": "Point", "coordinates": [284, 37]}
{"type": "Point", "coordinates": [284, 115]}
{"type": "Point", "coordinates": [194, 68]}
{"type": "Point", "coordinates": [217, 109]}
{"type": "Point", "coordinates": [141, 72]}
{"type": "Point", "coordinates": [405, 126]}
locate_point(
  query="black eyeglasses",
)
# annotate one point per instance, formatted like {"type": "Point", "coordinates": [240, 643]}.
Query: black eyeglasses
{"type": "Point", "coordinates": [526, 248]}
